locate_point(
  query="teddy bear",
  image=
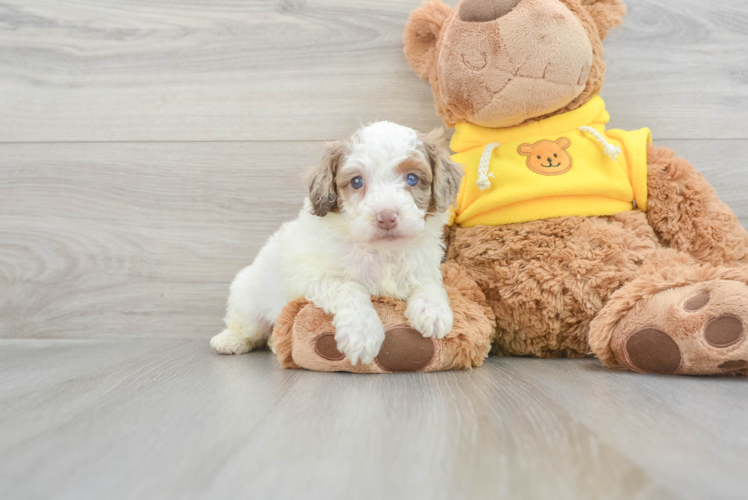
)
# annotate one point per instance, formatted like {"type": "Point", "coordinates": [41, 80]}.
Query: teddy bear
{"type": "Point", "coordinates": [567, 239]}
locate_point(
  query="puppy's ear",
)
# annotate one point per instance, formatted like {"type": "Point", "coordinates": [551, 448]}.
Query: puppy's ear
{"type": "Point", "coordinates": [447, 175]}
{"type": "Point", "coordinates": [607, 14]}
{"type": "Point", "coordinates": [421, 34]}
{"type": "Point", "coordinates": [323, 194]}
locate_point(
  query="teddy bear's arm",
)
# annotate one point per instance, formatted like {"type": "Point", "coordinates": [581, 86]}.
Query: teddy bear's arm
{"type": "Point", "coordinates": [686, 213]}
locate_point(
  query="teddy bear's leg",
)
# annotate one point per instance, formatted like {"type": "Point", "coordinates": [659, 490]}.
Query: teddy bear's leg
{"type": "Point", "coordinates": [304, 336]}
{"type": "Point", "coordinates": [686, 214]}
{"type": "Point", "coordinates": [676, 318]}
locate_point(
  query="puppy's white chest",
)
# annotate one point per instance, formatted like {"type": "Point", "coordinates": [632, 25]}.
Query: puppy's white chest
{"type": "Point", "coordinates": [386, 277]}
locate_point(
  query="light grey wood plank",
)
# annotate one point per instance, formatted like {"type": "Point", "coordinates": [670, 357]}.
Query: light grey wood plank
{"type": "Point", "coordinates": [102, 240]}
{"type": "Point", "coordinates": [134, 419]}
{"type": "Point", "coordinates": [259, 70]}
{"type": "Point", "coordinates": [114, 419]}
{"type": "Point", "coordinates": [666, 425]}
{"type": "Point", "coordinates": [679, 67]}
{"type": "Point", "coordinates": [479, 434]}
{"type": "Point", "coordinates": [228, 70]}
{"type": "Point", "coordinates": [142, 240]}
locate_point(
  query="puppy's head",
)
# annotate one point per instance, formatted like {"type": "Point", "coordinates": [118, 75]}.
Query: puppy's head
{"type": "Point", "coordinates": [385, 182]}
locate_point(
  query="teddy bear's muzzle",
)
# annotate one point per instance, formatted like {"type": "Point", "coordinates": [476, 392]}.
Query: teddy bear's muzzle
{"type": "Point", "coordinates": [483, 11]}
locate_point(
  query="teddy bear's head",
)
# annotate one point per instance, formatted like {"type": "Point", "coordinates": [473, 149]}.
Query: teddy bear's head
{"type": "Point", "coordinates": [500, 63]}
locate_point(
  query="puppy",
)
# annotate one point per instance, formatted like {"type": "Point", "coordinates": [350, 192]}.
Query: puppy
{"type": "Point", "coordinates": [372, 225]}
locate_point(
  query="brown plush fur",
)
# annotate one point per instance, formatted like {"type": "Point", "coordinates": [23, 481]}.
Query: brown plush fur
{"type": "Point", "coordinates": [686, 213]}
{"type": "Point", "coordinates": [281, 342]}
{"type": "Point", "coordinates": [421, 39]}
{"type": "Point", "coordinates": [606, 14]}
{"type": "Point", "coordinates": [546, 280]}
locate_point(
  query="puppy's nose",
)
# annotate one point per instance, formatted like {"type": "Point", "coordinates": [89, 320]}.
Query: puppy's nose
{"type": "Point", "coordinates": [483, 11]}
{"type": "Point", "coordinates": [387, 219]}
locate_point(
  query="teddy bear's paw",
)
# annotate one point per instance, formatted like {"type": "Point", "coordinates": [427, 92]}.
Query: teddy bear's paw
{"type": "Point", "coordinates": [697, 329]}
{"type": "Point", "coordinates": [404, 350]}
{"type": "Point", "coordinates": [358, 335]}
{"type": "Point", "coordinates": [433, 318]}
{"type": "Point", "coordinates": [228, 342]}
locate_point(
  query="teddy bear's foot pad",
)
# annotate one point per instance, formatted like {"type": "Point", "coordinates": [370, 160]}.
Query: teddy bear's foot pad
{"type": "Point", "coordinates": [696, 329]}
{"type": "Point", "coordinates": [326, 348]}
{"type": "Point", "coordinates": [404, 350]}
{"type": "Point", "coordinates": [652, 350]}
{"type": "Point", "coordinates": [724, 331]}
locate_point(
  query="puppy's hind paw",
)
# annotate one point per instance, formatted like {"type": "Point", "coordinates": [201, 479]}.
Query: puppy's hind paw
{"type": "Point", "coordinates": [431, 318]}
{"type": "Point", "coordinates": [228, 342]}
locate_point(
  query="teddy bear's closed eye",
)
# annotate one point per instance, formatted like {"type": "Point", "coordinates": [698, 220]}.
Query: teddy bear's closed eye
{"type": "Point", "coordinates": [475, 61]}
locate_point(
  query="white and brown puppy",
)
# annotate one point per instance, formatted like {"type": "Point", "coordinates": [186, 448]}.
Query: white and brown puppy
{"type": "Point", "coordinates": [372, 225]}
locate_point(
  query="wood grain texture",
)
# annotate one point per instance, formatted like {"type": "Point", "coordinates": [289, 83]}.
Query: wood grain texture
{"type": "Point", "coordinates": [142, 240]}
{"type": "Point", "coordinates": [101, 240]}
{"type": "Point", "coordinates": [170, 419]}
{"type": "Point", "coordinates": [260, 70]}
{"type": "Point", "coordinates": [147, 150]}
{"type": "Point", "coordinates": [227, 70]}
{"type": "Point", "coordinates": [680, 68]}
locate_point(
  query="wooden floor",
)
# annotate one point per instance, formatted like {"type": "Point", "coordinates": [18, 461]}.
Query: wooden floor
{"type": "Point", "coordinates": [167, 419]}
{"type": "Point", "coordinates": [147, 150]}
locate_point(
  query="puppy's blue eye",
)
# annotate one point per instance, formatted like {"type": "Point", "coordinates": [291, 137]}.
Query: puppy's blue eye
{"type": "Point", "coordinates": [357, 182]}
{"type": "Point", "coordinates": [411, 179]}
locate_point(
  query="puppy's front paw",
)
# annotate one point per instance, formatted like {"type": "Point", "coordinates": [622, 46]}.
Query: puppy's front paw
{"type": "Point", "coordinates": [433, 318]}
{"type": "Point", "coordinates": [228, 342]}
{"type": "Point", "coordinates": [358, 335]}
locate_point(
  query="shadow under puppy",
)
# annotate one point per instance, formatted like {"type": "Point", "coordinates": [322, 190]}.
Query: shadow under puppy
{"type": "Point", "coordinates": [373, 225]}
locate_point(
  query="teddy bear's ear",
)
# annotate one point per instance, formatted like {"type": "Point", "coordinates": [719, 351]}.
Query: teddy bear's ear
{"type": "Point", "coordinates": [606, 13]}
{"type": "Point", "coordinates": [421, 34]}
{"type": "Point", "coordinates": [563, 143]}
{"type": "Point", "coordinates": [525, 149]}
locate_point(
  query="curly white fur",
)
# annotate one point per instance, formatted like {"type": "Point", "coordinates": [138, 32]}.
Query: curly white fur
{"type": "Point", "coordinates": [340, 260]}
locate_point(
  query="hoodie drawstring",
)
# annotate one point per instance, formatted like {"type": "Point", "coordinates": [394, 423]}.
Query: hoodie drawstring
{"type": "Point", "coordinates": [608, 148]}
{"type": "Point", "coordinates": [485, 159]}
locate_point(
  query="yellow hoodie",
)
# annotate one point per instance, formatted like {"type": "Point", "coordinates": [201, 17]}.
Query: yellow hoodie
{"type": "Point", "coordinates": [564, 165]}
